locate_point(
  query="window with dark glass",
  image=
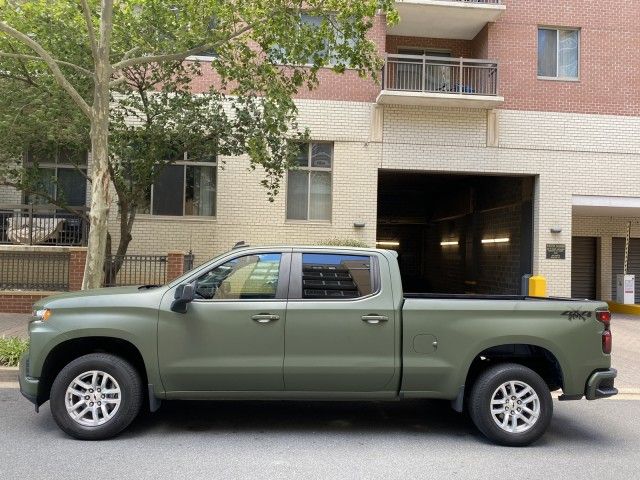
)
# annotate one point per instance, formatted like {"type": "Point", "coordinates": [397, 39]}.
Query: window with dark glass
{"type": "Point", "coordinates": [558, 53]}
{"type": "Point", "coordinates": [186, 187]}
{"type": "Point", "coordinates": [61, 175]}
{"type": "Point", "coordinates": [309, 185]}
{"type": "Point", "coordinates": [336, 276]}
{"type": "Point", "coordinates": [246, 277]}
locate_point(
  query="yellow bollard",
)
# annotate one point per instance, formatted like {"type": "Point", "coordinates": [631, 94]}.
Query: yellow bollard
{"type": "Point", "coordinates": [537, 286]}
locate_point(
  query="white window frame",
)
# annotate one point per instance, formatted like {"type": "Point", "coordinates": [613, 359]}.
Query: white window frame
{"type": "Point", "coordinates": [558, 30]}
{"type": "Point", "coordinates": [185, 163]}
{"type": "Point", "coordinates": [310, 169]}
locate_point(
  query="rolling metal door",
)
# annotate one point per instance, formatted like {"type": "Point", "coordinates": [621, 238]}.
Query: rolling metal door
{"type": "Point", "coordinates": [584, 254]}
{"type": "Point", "coordinates": [617, 263]}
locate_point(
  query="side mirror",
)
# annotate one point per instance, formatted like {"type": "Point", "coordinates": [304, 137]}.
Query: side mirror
{"type": "Point", "coordinates": [184, 295]}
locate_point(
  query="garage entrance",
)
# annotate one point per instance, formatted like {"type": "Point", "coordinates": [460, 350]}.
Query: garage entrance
{"type": "Point", "coordinates": [457, 233]}
{"type": "Point", "coordinates": [584, 267]}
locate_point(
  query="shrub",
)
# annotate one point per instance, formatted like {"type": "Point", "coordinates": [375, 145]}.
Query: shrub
{"type": "Point", "coordinates": [343, 242]}
{"type": "Point", "coordinates": [11, 349]}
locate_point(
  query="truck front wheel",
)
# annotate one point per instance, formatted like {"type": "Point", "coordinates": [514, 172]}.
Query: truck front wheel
{"type": "Point", "coordinates": [510, 404]}
{"type": "Point", "coordinates": [96, 396]}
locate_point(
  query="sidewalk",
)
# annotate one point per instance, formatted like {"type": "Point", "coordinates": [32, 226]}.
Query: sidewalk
{"type": "Point", "coordinates": [14, 324]}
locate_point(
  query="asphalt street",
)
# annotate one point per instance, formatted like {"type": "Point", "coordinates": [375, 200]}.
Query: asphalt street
{"type": "Point", "coordinates": [311, 440]}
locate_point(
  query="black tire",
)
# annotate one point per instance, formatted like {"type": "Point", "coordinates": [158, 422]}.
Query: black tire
{"type": "Point", "coordinates": [132, 394]}
{"type": "Point", "coordinates": [479, 404]}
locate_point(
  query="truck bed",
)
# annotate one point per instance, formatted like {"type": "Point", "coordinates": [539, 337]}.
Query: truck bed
{"type": "Point", "coordinates": [478, 296]}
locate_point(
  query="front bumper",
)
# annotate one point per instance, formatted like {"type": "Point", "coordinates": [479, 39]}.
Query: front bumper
{"type": "Point", "coordinates": [28, 385]}
{"type": "Point", "coordinates": [600, 384]}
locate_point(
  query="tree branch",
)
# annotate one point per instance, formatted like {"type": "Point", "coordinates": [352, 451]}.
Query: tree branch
{"type": "Point", "coordinates": [86, 11]}
{"type": "Point", "coordinates": [23, 56]}
{"type": "Point", "coordinates": [53, 66]}
{"type": "Point", "coordinates": [178, 56]}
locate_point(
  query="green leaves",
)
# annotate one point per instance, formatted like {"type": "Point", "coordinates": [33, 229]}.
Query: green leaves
{"type": "Point", "coordinates": [263, 53]}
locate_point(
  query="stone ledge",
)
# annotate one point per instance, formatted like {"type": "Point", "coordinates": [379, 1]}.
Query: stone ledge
{"type": "Point", "coordinates": [41, 248]}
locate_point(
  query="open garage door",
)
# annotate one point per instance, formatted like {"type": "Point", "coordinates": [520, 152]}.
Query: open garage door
{"type": "Point", "coordinates": [584, 262]}
{"type": "Point", "coordinates": [457, 233]}
{"type": "Point", "coordinates": [633, 265]}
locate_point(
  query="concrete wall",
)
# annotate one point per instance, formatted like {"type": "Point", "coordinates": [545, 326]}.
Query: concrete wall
{"type": "Point", "coordinates": [605, 228]}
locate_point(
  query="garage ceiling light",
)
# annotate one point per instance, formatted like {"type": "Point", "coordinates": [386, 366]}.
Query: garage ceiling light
{"type": "Point", "coordinates": [388, 244]}
{"type": "Point", "coordinates": [449, 242]}
{"type": "Point", "coordinates": [496, 240]}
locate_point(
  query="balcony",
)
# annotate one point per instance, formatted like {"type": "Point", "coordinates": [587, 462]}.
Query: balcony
{"type": "Point", "coordinates": [460, 19]}
{"type": "Point", "coordinates": [439, 81]}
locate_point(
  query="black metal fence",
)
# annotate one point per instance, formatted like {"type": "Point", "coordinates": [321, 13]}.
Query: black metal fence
{"type": "Point", "coordinates": [43, 225]}
{"type": "Point", "coordinates": [34, 271]}
{"type": "Point", "coordinates": [135, 270]}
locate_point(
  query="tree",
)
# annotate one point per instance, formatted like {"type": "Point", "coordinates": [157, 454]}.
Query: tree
{"type": "Point", "coordinates": [98, 51]}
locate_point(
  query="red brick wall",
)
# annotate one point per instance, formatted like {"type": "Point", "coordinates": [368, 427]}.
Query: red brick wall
{"type": "Point", "coordinates": [610, 56]}
{"type": "Point", "coordinates": [13, 302]}
{"type": "Point", "coordinates": [77, 260]}
{"type": "Point", "coordinates": [458, 48]}
{"type": "Point", "coordinates": [332, 86]}
{"type": "Point", "coordinates": [175, 265]}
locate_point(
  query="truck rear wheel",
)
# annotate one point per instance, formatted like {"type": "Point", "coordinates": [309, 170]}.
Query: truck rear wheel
{"type": "Point", "coordinates": [511, 404]}
{"type": "Point", "coordinates": [96, 396]}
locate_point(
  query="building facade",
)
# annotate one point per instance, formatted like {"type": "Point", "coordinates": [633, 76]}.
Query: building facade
{"type": "Point", "coordinates": [503, 139]}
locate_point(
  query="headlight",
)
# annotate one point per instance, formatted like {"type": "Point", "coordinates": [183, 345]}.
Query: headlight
{"type": "Point", "coordinates": [41, 315]}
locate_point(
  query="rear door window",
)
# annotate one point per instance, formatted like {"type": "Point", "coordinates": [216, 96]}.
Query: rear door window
{"type": "Point", "coordinates": [336, 276]}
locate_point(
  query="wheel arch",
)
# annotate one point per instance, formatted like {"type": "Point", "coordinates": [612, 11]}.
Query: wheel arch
{"type": "Point", "coordinates": [535, 353]}
{"type": "Point", "coordinates": [70, 349]}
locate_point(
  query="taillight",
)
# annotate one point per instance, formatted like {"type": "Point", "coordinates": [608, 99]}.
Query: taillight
{"type": "Point", "coordinates": [606, 341]}
{"type": "Point", "coordinates": [604, 316]}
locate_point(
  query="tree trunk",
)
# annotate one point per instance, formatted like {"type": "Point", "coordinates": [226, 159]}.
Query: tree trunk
{"type": "Point", "coordinates": [127, 214]}
{"type": "Point", "coordinates": [100, 198]}
{"type": "Point", "coordinates": [100, 201]}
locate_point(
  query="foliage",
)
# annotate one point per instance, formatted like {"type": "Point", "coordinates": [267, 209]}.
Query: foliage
{"type": "Point", "coordinates": [11, 349]}
{"type": "Point", "coordinates": [343, 242]}
{"type": "Point", "coordinates": [58, 60]}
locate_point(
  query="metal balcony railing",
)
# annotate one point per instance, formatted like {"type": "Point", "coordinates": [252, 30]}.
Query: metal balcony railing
{"type": "Point", "coordinates": [43, 225]}
{"type": "Point", "coordinates": [431, 74]}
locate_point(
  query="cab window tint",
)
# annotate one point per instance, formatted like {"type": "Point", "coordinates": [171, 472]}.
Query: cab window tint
{"type": "Point", "coordinates": [250, 276]}
{"type": "Point", "coordinates": [336, 276]}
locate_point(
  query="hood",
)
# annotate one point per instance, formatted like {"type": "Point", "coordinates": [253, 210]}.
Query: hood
{"type": "Point", "coordinates": [97, 296]}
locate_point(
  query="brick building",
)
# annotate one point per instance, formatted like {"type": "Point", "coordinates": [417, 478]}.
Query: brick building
{"type": "Point", "coordinates": [503, 139]}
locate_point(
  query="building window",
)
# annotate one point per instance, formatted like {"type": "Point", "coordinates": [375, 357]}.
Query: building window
{"type": "Point", "coordinates": [558, 53]}
{"type": "Point", "coordinates": [61, 176]}
{"type": "Point", "coordinates": [309, 185]}
{"type": "Point", "coordinates": [186, 188]}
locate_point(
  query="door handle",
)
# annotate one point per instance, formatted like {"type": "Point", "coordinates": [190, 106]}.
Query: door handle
{"type": "Point", "coordinates": [373, 318]}
{"type": "Point", "coordinates": [265, 317]}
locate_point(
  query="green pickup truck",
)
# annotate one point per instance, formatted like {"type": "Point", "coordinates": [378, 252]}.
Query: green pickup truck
{"type": "Point", "coordinates": [312, 323]}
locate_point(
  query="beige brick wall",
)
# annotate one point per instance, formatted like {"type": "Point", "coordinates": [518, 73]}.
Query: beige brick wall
{"type": "Point", "coordinates": [570, 154]}
{"type": "Point", "coordinates": [243, 209]}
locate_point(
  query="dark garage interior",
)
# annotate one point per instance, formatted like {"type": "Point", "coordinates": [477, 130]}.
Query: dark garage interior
{"type": "Point", "coordinates": [457, 233]}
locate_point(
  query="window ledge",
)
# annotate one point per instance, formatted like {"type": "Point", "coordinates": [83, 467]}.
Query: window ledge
{"type": "Point", "coordinates": [560, 79]}
{"type": "Point", "coordinates": [308, 222]}
{"type": "Point", "coordinates": [147, 217]}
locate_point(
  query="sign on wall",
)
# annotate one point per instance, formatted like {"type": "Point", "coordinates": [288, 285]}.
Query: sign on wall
{"type": "Point", "coordinates": [556, 251]}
